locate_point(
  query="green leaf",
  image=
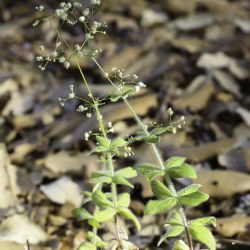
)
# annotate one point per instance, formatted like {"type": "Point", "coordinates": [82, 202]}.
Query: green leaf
{"type": "Point", "coordinates": [81, 214]}
{"type": "Point", "coordinates": [183, 171]}
{"type": "Point", "coordinates": [175, 161]}
{"type": "Point", "coordinates": [160, 130]}
{"type": "Point", "coordinates": [123, 200]}
{"type": "Point", "coordinates": [173, 231]}
{"type": "Point", "coordinates": [150, 170]}
{"type": "Point", "coordinates": [174, 219]}
{"type": "Point", "coordinates": [119, 180]}
{"type": "Point", "coordinates": [180, 245]}
{"type": "Point", "coordinates": [99, 242]}
{"type": "Point", "coordinates": [203, 235]}
{"type": "Point", "coordinates": [160, 190]}
{"type": "Point", "coordinates": [103, 141]}
{"type": "Point", "coordinates": [127, 172]}
{"type": "Point", "coordinates": [93, 223]}
{"type": "Point", "coordinates": [87, 246]}
{"type": "Point", "coordinates": [105, 215]}
{"type": "Point", "coordinates": [204, 221]}
{"type": "Point", "coordinates": [160, 206]}
{"type": "Point", "coordinates": [117, 143]}
{"type": "Point", "coordinates": [194, 199]}
{"type": "Point", "coordinates": [189, 189]}
{"type": "Point", "coordinates": [146, 138]}
{"type": "Point", "coordinates": [99, 178]}
{"type": "Point", "coordinates": [100, 199]}
{"type": "Point", "coordinates": [126, 213]}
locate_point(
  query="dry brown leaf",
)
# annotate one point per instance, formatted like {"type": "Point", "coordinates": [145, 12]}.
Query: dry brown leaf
{"type": "Point", "coordinates": [193, 22]}
{"type": "Point", "coordinates": [63, 190]}
{"type": "Point", "coordinates": [64, 161]}
{"type": "Point", "coordinates": [180, 6]}
{"type": "Point", "coordinates": [227, 82]}
{"type": "Point", "coordinates": [196, 100]}
{"type": "Point", "coordinates": [21, 151]}
{"type": "Point", "coordinates": [122, 245]}
{"type": "Point", "coordinates": [151, 18]}
{"type": "Point", "coordinates": [191, 44]}
{"type": "Point", "coordinates": [223, 183]}
{"type": "Point", "coordinates": [206, 151]}
{"type": "Point", "coordinates": [236, 159]}
{"type": "Point", "coordinates": [19, 228]}
{"type": "Point", "coordinates": [235, 224]}
{"type": "Point", "coordinates": [122, 59]}
{"type": "Point", "coordinates": [8, 185]}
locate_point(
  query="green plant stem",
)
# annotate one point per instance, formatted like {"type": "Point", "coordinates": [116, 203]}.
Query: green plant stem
{"type": "Point", "coordinates": [157, 153]}
{"type": "Point", "coordinates": [109, 155]}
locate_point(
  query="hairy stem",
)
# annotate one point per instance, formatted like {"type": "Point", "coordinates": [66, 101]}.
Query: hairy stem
{"type": "Point", "coordinates": [156, 152]}
{"type": "Point", "coordinates": [104, 133]}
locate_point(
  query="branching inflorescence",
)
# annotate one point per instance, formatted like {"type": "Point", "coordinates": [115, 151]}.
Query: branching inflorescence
{"type": "Point", "coordinates": [110, 206]}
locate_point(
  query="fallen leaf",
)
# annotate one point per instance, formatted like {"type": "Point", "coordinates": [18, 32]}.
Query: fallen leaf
{"type": "Point", "coordinates": [8, 185]}
{"type": "Point", "coordinates": [63, 190]}
{"type": "Point", "coordinates": [221, 183]}
{"type": "Point", "coordinates": [232, 225]}
{"type": "Point", "coordinates": [244, 25]}
{"type": "Point", "coordinates": [196, 100]}
{"type": "Point", "coordinates": [19, 228]}
{"type": "Point", "coordinates": [193, 22]}
{"type": "Point", "coordinates": [206, 151]}
{"type": "Point", "coordinates": [227, 82]}
{"type": "Point", "coordinates": [151, 18]}
{"type": "Point", "coordinates": [64, 161]}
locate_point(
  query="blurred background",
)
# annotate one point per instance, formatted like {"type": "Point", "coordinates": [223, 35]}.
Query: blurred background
{"type": "Point", "coordinates": [194, 56]}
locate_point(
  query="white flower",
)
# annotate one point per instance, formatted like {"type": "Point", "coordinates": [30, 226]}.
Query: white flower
{"type": "Point", "coordinates": [82, 19]}
{"type": "Point", "coordinates": [170, 111]}
{"type": "Point", "coordinates": [86, 136]}
{"type": "Point", "coordinates": [39, 58]}
{"type": "Point", "coordinates": [88, 115]}
{"type": "Point", "coordinates": [72, 95]}
{"type": "Point", "coordinates": [81, 108]}
{"type": "Point", "coordinates": [36, 23]}
{"type": "Point", "coordinates": [141, 84]}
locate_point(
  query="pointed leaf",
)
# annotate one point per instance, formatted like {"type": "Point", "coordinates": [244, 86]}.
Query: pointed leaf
{"type": "Point", "coordinates": [103, 141]}
{"type": "Point", "coordinates": [204, 221]}
{"type": "Point", "coordinates": [127, 172]}
{"type": "Point", "coordinates": [160, 206]}
{"type": "Point", "coordinates": [183, 171]}
{"type": "Point", "coordinates": [99, 242]}
{"type": "Point", "coordinates": [203, 235]}
{"type": "Point", "coordinates": [160, 190]}
{"type": "Point", "coordinates": [173, 231]}
{"type": "Point", "coordinates": [126, 213]}
{"type": "Point", "coordinates": [193, 199]}
{"type": "Point", "coordinates": [161, 130]}
{"type": "Point", "coordinates": [175, 161]}
{"type": "Point", "coordinates": [174, 219]}
{"type": "Point", "coordinates": [150, 171]}
{"type": "Point", "coordinates": [93, 223]}
{"type": "Point", "coordinates": [123, 200]}
{"type": "Point", "coordinates": [117, 143]}
{"type": "Point", "coordinates": [100, 199]}
{"type": "Point", "coordinates": [81, 214]}
{"type": "Point", "coordinates": [99, 178]}
{"type": "Point", "coordinates": [87, 246]}
{"type": "Point", "coordinates": [104, 215]}
{"type": "Point", "coordinates": [119, 180]}
{"type": "Point", "coordinates": [189, 189]}
{"type": "Point", "coordinates": [180, 245]}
